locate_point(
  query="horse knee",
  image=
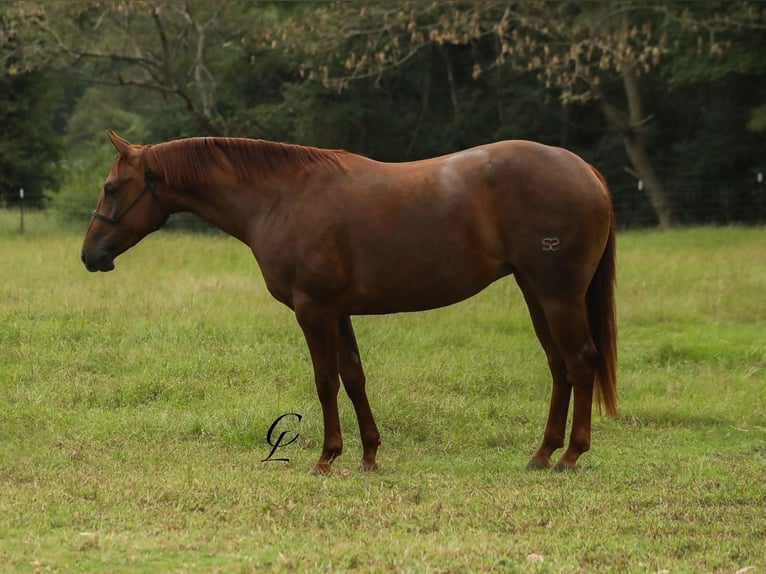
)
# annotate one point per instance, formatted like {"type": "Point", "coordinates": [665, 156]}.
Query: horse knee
{"type": "Point", "coordinates": [353, 381]}
{"type": "Point", "coordinates": [327, 387]}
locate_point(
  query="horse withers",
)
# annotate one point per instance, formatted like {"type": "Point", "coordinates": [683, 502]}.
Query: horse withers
{"type": "Point", "coordinates": [337, 234]}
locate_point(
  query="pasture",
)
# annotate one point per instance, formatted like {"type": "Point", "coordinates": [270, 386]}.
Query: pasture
{"type": "Point", "coordinates": [136, 404]}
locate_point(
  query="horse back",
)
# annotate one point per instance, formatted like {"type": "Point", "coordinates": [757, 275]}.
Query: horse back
{"type": "Point", "coordinates": [383, 237]}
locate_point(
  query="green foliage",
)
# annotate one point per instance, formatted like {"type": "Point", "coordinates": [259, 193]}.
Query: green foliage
{"type": "Point", "coordinates": [89, 153]}
{"type": "Point", "coordinates": [757, 121]}
{"type": "Point", "coordinates": [136, 406]}
{"type": "Point", "coordinates": [29, 147]}
{"type": "Point", "coordinates": [100, 109]}
{"type": "Point", "coordinates": [395, 81]}
{"type": "Point", "coordinates": [82, 179]}
{"type": "Point", "coordinates": [713, 45]}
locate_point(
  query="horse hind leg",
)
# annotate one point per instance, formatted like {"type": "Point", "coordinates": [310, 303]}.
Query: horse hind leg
{"type": "Point", "coordinates": [568, 325]}
{"type": "Point", "coordinates": [555, 429]}
{"type": "Point", "coordinates": [352, 375]}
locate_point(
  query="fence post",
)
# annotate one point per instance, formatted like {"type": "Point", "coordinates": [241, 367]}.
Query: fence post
{"type": "Point", "coordinates": [21, 207]}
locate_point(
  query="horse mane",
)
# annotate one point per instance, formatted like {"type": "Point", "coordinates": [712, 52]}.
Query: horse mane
{"type": "Point", "coordinates": [190, 161]}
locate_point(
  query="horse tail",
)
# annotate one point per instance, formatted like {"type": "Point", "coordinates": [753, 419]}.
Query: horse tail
{"type": "Point", "coordinates": [602, 318]}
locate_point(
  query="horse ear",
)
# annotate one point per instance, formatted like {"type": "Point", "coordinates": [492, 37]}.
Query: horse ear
{"type": "Point", "coordinates": [120, 144]}
{"type": "Point", "coordinates": [123, 146]}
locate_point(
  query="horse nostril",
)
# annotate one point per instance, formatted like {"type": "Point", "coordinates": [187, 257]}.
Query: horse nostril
{"type": "Point", "coordinates": [97, 260]}
{"type": "Point", "coordinates": [88, 262]}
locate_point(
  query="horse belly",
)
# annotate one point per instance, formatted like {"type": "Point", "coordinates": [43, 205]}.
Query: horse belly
{"type": "Point", "coordinates": [401, 276]}
{"type": "Point", "coordinates": [433, 243]}
{"type": "Point", "coordinates": [412, 296]}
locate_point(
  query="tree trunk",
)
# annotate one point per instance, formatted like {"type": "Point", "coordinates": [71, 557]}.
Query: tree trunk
{"type": "Point", "coordinates": [652, 186]}
{"type": "Point", "coordinates": [424, 103]}
{"type": "Point", "coordinates": [632, 131]}
{"type": "Point", "coordinates": [457, 116]}
{"type": "Point", "coordinates": [566, 124]}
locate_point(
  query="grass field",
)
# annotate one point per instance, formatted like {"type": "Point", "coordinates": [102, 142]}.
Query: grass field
{"type": "Point", "coordinates": [135, 407]}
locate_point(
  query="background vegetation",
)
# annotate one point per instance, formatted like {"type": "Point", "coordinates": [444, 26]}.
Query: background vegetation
{"type": "Point", "coordinates": [669, 93]}
{"type": "Point", "coordinates": [136, 406]}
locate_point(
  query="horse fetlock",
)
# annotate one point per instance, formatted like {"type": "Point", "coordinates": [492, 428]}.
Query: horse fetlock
{"type": "Point", "coordinates": [321, 469]}
{"type": "Point", "coordinates": [537, 463]}
{"type": "Point", "coordinates": [563, 466]}
{"type": "Point", "coordinates": [323, 465]}
{"type": "Point", "coordinates": [368, 465]}
{"type": "Point", "coordinates": [331, 452]}
{"type": "Point", "coordinates": [579, 443]}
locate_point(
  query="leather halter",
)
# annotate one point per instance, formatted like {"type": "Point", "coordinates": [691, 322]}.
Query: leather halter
{"type": "Point", "coordinates": [149, 178]}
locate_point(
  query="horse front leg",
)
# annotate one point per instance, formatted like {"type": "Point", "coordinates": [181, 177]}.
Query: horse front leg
{"type": "Point", "coordinates": [320, 329]}
{"type": "Point", "coordinates": [352, 375]}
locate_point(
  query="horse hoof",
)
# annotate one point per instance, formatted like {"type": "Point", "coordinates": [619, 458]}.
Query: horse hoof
{"type": "Point", "coordinates": [537, 464]}
{"type": "Point", "coordinates": [321, 469]}
{"type": "Point", "coordinates": [564, 467]}
{"type": "Point", "coordinates": [369, 467]}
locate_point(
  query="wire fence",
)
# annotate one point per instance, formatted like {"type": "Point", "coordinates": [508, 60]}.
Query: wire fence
{"type": "Point", "coordinates": [726, 202]}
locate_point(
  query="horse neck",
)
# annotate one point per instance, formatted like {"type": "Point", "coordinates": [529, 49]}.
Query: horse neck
{"type": "Point", "coordinates": [224, 202]}
{"type": "Point", "coordinates": [230, 182]}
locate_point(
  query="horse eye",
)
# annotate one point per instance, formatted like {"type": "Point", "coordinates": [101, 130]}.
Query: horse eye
{"type": "Point", "coordinates": [110, 189]}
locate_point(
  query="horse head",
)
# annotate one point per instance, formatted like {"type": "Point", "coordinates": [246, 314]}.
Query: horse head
{"type": "Point", "coordinates": [128, 208]}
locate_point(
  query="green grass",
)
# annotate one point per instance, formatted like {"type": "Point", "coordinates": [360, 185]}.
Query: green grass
{"type": "Point", "coordinates": [135, 407]}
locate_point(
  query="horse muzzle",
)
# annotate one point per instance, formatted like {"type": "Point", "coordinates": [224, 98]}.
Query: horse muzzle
{"type": "Point", "coordinates": [97, 260]}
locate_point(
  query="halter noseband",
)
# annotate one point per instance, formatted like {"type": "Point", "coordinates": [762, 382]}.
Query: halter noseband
{"type": "Point", "coordinates": [149, 178]}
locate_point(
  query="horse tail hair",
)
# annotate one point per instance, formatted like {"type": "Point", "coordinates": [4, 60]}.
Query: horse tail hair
{"type": "Point", "coordinates": [602, 318]}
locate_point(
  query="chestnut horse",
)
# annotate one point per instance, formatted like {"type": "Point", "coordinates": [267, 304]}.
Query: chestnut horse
{"type": "Point", "coordinates": [337, 234]}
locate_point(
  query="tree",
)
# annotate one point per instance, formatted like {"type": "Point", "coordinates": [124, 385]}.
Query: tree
{"type": "Point", "coordinates": [171, 49]}
{"type": "Point", "coordinates": [403, 80]}
{"type": "Point", "coordinates": [30, 102]}
{"type": "Point", "coordinates": [581, 51]}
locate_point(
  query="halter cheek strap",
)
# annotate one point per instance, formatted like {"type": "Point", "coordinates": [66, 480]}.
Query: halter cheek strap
{"type": "Point", "coordinates": [149, 179]}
